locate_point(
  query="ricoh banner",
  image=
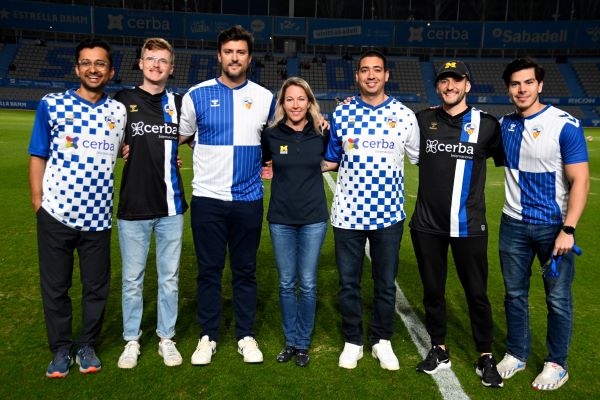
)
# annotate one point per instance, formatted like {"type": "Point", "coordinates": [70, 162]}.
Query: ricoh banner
{"type": "Point", "coordinates": [438, 34]}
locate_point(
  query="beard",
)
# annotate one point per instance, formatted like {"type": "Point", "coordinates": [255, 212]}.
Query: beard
{"type": "Point", "coordinates": [457, 101]}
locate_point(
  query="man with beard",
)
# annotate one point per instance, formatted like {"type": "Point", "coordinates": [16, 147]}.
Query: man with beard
{"type": "Point", "coordinates": [151, 199]}
{"type": "Point", "coordinates": [225, 118]}
{"type": "Point", "coordinates": [456, 140]}
{"type": "Point", "coordinates": [74, 145]}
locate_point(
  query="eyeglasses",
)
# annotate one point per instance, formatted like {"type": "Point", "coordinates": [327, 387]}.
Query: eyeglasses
{"type": "Point", "coordinates": [152, 60]}
{"type": "Point", "coordinates": [100, 64]}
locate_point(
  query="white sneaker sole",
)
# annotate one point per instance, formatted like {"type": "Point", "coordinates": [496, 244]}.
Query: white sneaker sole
{"type": "Point", "coordinates": [350, 365]}
{"type": "Point", "coordinates": [551, 386]}
{"type": "Point", "coordinates": [382, 364]}
{"type": "Point", "coordinates": [511, 372]}
{"type": "Point", "coordinates": [440, 367]}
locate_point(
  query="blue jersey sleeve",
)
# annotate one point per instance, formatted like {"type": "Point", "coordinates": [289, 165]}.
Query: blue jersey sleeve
{"type": "Point", "coordinates": [334, 148]}
{"type": "Point", "coordinates": [572, 144]}
{"type": "Point", "coordinates": [39, 145]}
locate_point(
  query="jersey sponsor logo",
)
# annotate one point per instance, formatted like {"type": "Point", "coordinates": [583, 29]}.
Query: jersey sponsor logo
{"type": "Point", "coordinates": [460, 150]}
{"type": "Point", "coordinates": [169, 109]}
{"type": "Point", "coordinates": [133, 108]}
{"type": "Point", "coordinates": [110, 121]}
{"type": "Point", "coordinates": [536, 131]}
{"type": "Point", "coordinates": [283, 149]}
{"type": "Point", "coordinates": [470, 128]}
{"type": "Point", "coordinates": [215, 103]}
{"type": "Point", "coordinates": [72, 142]}
{"type": "Point", "coordinates": [140, 128]}
{"type": "Point", "coordinates": [377, 144]}
{"type": "Point", "coordinates": [391, 121]}
{"type": "Point", "coordinates": [248, 102]}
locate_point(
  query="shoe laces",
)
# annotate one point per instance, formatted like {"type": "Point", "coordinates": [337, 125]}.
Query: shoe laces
{"type": "Point", "coordinates": [61, 355]}
{"type": "Point", "coordinates": [87, 352]}
{"type": "Point", "coordinates": [249, 344]}
{"type": "Point", "coordinates": [169, 348]}
{"type": "Point", "coordinates": [131, 348]}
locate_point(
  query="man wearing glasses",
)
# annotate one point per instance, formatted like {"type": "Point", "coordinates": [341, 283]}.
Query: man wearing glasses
{"type": "Point", "coordinates": [74, 145]}
{"type": "Point", "coordinates": [151, 199]}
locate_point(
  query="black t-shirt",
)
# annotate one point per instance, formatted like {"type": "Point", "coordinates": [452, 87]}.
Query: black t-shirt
{"type": "Point", "coordinates": [452, 171]}
{"type": "Point", "coordinates": [151, 185]}
{"type": "Point", "coordinates": [297, 192]}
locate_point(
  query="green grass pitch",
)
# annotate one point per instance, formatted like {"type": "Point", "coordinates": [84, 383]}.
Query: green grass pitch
{"type": "Point", "coordinates": [24, 353]}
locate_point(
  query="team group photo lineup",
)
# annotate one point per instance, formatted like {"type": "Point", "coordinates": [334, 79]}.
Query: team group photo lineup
{"type": "Point", "coordinates": [247, 143]}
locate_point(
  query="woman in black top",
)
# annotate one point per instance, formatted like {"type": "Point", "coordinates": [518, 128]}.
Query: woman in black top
{"type": "Point", "coordinates": [297, 210]}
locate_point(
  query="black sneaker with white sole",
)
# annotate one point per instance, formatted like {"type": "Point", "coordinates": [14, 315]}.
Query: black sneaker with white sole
{"type": "Point", "coordinates": [436, 359]}
{"type": "Point", "coordinates": [487, 371]}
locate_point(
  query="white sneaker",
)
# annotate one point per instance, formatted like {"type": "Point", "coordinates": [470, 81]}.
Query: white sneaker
{"type": "Point", "coordinates": [204, 351]}
{"type": "Point", "coordinates": [169, 353]}
{"type": "Point", "coordinates": [129, 356]}
{"type": "Point", "coordinates": [350, 355]}
{"type": "Point", "coordinates": [509, 366]}
{"type": "Point", "coordinates": [249, 349]}
{"type": "Point", "coordinates": [552, 377]}
{"type": "Point", "coordinates": [385, 354]}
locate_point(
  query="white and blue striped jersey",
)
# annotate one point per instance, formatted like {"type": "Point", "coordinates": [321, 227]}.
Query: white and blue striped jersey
{"type": "Point", "coordinates": [228, 124]}
{"type": "Point", "coordinates": [536, 149]}
{"type": "Point", "coordinates": [369, 144]}
{"type": "Point", "coordinates": [80, 141]}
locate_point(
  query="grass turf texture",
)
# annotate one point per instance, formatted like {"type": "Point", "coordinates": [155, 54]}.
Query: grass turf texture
{"type": "Point", "coordinates": [24, 353]}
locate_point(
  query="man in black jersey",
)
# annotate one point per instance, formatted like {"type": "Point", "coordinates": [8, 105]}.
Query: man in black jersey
{"type": "Point", "coordinates": [151, 199]}
{"type": "Point", "coordinates": [456, 140]}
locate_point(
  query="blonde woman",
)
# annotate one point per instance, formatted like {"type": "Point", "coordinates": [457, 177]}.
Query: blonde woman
{"type": "Point", "coordinates": [297, 210]}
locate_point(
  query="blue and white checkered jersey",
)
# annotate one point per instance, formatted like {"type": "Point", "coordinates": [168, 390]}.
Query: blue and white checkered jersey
{"type": "Point", "coordinates": [369, 144]}
{"type": "Point", "coordinates": [80, 141]}
{"type": "Point", "coordinates": [228, 124]}
{"type": "Point", "coordinates": [536, 149]}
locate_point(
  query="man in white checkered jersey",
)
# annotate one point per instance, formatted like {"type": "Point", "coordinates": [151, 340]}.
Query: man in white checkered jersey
{"type": "Point", "coordinates": [369, 136]}
{"type": "Point", "coordinates": [74, 144]}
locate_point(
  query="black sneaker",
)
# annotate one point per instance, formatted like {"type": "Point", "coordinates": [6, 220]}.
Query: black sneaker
{"type": "Point", "coordinates": [286, 354]}
{"type": "Point", "coordinates": [486, 369]}
{"type": "Point", "coordinates": [436, 359]}
{"type": "Point", "coordinates": [302, 358]}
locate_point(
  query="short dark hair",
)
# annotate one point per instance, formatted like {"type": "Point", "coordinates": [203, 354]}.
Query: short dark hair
{"type": "Point", "coordinates": [236, 32]}
{"type": "Point", "coordinates": [92, 42]}
{"type": "Point", "coordinates": [372, 53]}
{"type": "Point", "coordinates": [520, 64]}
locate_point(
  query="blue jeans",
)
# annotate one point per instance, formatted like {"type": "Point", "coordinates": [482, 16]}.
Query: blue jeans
{"type": "Point", "coordinates": [520, 243]}
{"type": "Point", "coordinates": [297, 249]}
{"type": "Point", "coordinates": [349, 253]}
{"type": "Point", "coordinates": [134, 238]}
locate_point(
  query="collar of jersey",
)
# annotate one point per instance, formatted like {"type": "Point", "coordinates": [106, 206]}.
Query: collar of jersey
{"type": "Point", "coordinates": [547, 106]}
{"type": "Point", "coordinates": [228, 88]}
{"type": "Point", "coordinates": [93, 105]}
{"type": "Point", "coordinates": [366, 105]}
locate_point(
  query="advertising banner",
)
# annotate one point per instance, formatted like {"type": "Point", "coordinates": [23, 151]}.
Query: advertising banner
{"type": "Point", "coordinates": [44, 16]}
{"type": "Point", "coordinates": [530, 35]}
{"type": "Point", "coordinates": [350, 32]}
{"type": "Point", "coordinates": [438, 34]}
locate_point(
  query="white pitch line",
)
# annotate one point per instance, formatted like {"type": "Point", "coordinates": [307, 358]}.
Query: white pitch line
{"type": "Point", "coordinates": [448, 383]}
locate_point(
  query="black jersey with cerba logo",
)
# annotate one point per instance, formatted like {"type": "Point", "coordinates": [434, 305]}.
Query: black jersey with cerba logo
{"type": "Point", "coordinates": [452, 171]}
{"type": "Point", "coordinates": [151, 185]}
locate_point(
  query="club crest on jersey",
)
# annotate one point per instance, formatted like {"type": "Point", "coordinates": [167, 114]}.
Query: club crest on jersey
{"type": "Point", "coordinates": [351, 120]}
{"type": "Point", "coordinates": [72, 142]}
{"type": "Point", "coordinates": [248, 102]}
{"type": "Point", "coordinates": [391, 121]}
{"type": "Point", "coordinates": [433, 126]}
{"type": "Point", "coordinates": [215, 103]}
{"type": "Point", "coordinates": [110, 121]}
{"type": "Point", "coordinates": [536, 131]}
{"type": "Point", "coordinates": [133, 108]}
{"type": "Point", "coordinates": [469, 128]}
{"type": "Point", "coordinates": [512, 127]}
{"type": "Point", "coordinates": [169, 110]}
{"type": "Point", "coordinates": [69, 118]}
{"type": "Point", "coordinates": [283, 149]}
{"type": "Point", "coordinates": [352, 144]}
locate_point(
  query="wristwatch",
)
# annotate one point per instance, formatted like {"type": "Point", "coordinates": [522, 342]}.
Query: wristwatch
{"type": "Point", "coordinates": [569, 230]}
